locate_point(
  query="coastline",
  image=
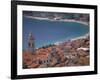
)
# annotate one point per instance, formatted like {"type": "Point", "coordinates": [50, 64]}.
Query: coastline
{"type": "Point", "coordinates": [73, 39]}
{"type": "Point", "coordinates": [81, 37]}
{"type": "Point", "coordinates": [64, 20]}
{"type": "Point", "coordinates": [55, 19]}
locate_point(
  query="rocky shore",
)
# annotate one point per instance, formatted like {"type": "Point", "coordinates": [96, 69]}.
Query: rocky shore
{"type": "Point", "coordinates": [69, 53]}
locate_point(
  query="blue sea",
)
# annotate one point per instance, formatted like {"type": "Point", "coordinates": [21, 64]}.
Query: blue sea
{"type": "Point", "coordinates": [47, 32]}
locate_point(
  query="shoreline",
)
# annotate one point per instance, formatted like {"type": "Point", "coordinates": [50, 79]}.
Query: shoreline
{"type": "Point", "coordinates": [73, 39]}
{"type": "Point", "coordinates": [81, 37]}
{"type": "Point", "coordinates": [64, 20]}
{"type": "Point", "coordinates": [55, 19]}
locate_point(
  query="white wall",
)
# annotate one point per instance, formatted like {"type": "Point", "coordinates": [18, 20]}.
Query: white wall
{"type": "Point", "coordinates": [5, 30]}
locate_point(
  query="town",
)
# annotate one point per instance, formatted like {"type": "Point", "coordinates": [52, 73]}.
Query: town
{"type": "Point", "coordinates": [68, 53]}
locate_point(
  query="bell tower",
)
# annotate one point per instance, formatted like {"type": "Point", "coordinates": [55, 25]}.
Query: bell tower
{"type": "Point", "coordinates": [31, 45]}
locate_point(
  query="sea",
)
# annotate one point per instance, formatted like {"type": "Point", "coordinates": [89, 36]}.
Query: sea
{"type": "Point", "coordinates": [47, 32]}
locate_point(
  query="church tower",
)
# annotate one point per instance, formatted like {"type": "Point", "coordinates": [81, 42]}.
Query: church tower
{"type": "Point", "coordinates": [31, 44]}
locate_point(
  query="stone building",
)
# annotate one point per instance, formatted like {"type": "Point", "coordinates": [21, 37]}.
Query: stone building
{"type": "Point", "coordinates": [31, 43]}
